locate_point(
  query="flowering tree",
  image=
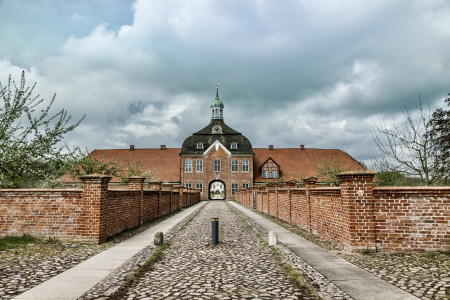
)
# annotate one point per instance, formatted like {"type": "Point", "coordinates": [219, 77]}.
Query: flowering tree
{"type": "Point", "coordinates": [29, 137]}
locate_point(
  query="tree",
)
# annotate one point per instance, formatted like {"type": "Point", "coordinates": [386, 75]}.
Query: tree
{"type": "Point", "coordinates": [439, 131]}
{"type": "Point", "coordinates": [327, 169]}
{"type": "Point", "coordinates": [407, 148]}
{"type": "Point", "coordinates": [29, 137]}
{"type": "Point", "coordinates": [88, 164]}
{"type": "Point", "coordinates": [137, 169]}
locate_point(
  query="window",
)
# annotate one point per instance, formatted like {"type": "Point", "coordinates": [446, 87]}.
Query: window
{"type": "Point", "coordinates": [266, 174]}
{"type": "Point", "coordinates": [188, 184]}
{"type": "Point", "coordinates": [199, 145]}
{"type": "Point", "coordinates": [188, 165]}
{"type": "Point", "coordinates": [245, 185]}
{"type": "Point", "coordinates": [234, 165]}
{"type": "Point", "coordinates": [274, 174]}
{"type": "Point", "coordinates": [245, 165]}
{"type": "Point", "coordinates": [233, 145]}
{"type": "Point", "coordinates": [234, 188]}
{"type": "Point", "coordinates": [199, 165]}
{"type": "Point", "coordinates": [199, 186]}
{"type": "Point", "coordinates": [217, 165]}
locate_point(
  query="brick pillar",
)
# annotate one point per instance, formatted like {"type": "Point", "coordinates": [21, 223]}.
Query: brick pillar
{"type": "Point", "coordinates": [291, 184]}
{"type": "Point", "coordinates": [310, 183]}
{"type": "Point", "coordinates": [136, 183]}
{"type": "Point", "coordinates": [95, 192]}
{"type": "Point", "coordinates": [177, 190]}
{"type": "Point", "coordinates": [168, 187]}
{"type": "Point", "coordinates": [358, 219]}
{"type": "Point", "coordinates": [156, 186]}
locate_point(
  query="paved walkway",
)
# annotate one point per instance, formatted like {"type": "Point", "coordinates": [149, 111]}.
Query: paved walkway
{"type": "Point", "coordinates": [240, 267]}
{"type": "Point", "coordinates": [356, 282]}
{"type": "Point", "coordinates": [76, 281]}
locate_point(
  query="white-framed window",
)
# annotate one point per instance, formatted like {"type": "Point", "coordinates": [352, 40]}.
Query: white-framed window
{"type": "Point", "coordinates": [266, 174]}
{"type": "Point", "coordinates": [199, 165]}
{"type": "Point", "coordinates": [188, 184]}
{"type": "Point", "coordinates": [245, 165]}
{"type": "Point", "coordinates": [199, 145]}
{"type": "Point", "coordinates": [233, 145]}
{"type": "Point", "coordinates": [199, 186]}
{"type": "Point", "coordinates": [274, 174]}
{"type": "Point", "coordinates": [234, 188]}
{"type": "Point", "coordinates": [234, 165]}
{"type": "Point", "coordinates": [188, 165]}
{"type": "Point", "coordinates": [244, 185]}
{"type": "Point", "coordinates": [217, 165]}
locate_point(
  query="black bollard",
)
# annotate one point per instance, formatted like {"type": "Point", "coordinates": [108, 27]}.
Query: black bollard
{"type": "Point", "coordinates": [215, 230]}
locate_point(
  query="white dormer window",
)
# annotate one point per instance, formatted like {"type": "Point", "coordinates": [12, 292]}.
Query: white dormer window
{"type": "Point", "coordinates": [233, 145]}
{"type": "Point", "coordinates": [199, 145]}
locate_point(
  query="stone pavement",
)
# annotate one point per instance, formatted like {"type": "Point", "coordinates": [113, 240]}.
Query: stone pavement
{"type": "Point", "coordinates": [423, 274]}
{"type": "Point", "coordinates": [242, 266]}
{"type": "Point", "coordinates": [356, 282]}
{"type": "Point", "coordinates": [74, 282]}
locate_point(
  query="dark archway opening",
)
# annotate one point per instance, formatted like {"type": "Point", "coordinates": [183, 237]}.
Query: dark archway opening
{"type": "Point", "coordinates": [217, 190]}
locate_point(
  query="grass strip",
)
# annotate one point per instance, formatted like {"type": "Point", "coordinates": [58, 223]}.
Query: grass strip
{"type": "Point", "coordinates": [11, 242]}
{"type": "Point", "coordinates": [148, 266]}
{"type": "Point", "coordinates": [296, 277]}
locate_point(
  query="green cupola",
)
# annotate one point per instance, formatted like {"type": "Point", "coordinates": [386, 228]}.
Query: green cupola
{"type": "Point", "coordinates": [217, 107]}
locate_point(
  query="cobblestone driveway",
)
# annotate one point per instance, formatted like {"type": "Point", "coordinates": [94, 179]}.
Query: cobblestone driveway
{"type": "Point", "coordinates": [240, 267]}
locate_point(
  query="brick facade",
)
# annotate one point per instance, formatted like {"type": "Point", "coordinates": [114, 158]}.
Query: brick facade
{"type": "Point", "coordinates": [208, 175]}
{"type": "Point", "coordinates": [358, 216]}
{"type": "Point", "coordinates": [92, 214]}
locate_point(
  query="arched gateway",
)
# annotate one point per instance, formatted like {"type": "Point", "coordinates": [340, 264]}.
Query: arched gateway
{"type": "Point", "coordinates": [217, 190]}
{"type": "Point", "coordinates": [217, 152]}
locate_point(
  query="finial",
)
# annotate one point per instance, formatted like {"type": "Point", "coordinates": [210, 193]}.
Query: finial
{"type": "Point", "coordinates": [217, 91]}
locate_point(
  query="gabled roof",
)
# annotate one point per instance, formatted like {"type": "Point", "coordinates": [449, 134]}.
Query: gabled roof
{"type": "Point", "coordinates": [217, 144]}
{"type": "Point", "coordinates": [207, 137]}
{"type": "Point", "coordinates": [165, 162]}
{"type": "Point", "coordinates": [267, 160]}
{"type": "Point", "coordinates": [296, 163]}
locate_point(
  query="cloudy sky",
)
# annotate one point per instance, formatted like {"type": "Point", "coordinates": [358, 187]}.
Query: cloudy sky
{"type": "Point", "coordinates": [144, 72]}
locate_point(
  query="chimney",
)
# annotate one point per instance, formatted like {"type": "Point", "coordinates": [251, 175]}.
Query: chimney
{"type": "Point", "coordinates": [270, 147]}
{"type": "Point", "coordinates": [131, 147]}
{"type": "Point", "coordinates": [163, 147]}
{"type": "Point", "coordinates": [302, 147]}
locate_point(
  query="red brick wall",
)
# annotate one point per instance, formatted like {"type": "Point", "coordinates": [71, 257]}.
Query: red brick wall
{"type": "Point", "coordinates": [327, 214]}
{"type": "Point", "coordinates": [358, 216]}
{"type": "Point", "coordinates": [57, 213]}
{"type": "Point", "coordinates": [412, 218]}
{"type": "Point", "coordinates": [93, 213]}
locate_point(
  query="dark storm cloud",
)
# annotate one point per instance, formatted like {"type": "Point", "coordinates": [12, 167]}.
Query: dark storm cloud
{"type": "Point", "coordinates": [301, 72]}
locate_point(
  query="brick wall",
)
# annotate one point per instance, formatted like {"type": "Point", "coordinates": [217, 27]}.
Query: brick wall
{"type": "Point", "coordinates": [412, 218]}
{"type": "Point", "coordinates": [358, 216]}
{"type": "Point", "coordinates": [93, 213]}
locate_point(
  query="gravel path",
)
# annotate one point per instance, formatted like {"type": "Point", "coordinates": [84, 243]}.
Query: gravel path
{"type": "Point", "coordinates": [242, 266]}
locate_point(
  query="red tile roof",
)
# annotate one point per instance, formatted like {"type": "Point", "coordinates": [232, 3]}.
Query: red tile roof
{"type": "Point", "coordinates": [166, 162]}
{"type": "Point", "coordinates": [296, 163]}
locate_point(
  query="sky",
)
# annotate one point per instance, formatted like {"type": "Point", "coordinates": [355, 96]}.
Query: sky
{"type": "Point", "coordinates": [291, 73]}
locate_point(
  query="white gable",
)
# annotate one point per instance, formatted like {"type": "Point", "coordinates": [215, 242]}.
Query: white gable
{"type": "Point", "coordinates": [216, 145]}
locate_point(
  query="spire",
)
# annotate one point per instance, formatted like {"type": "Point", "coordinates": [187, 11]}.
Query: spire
{"type": "Point", "coordinates": [217, 91]}
{"type": "Point", "coordinates": [217, 106]}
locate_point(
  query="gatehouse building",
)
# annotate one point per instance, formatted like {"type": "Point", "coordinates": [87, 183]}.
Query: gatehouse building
{"type": "Point", "coordinates": [219, 160]}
